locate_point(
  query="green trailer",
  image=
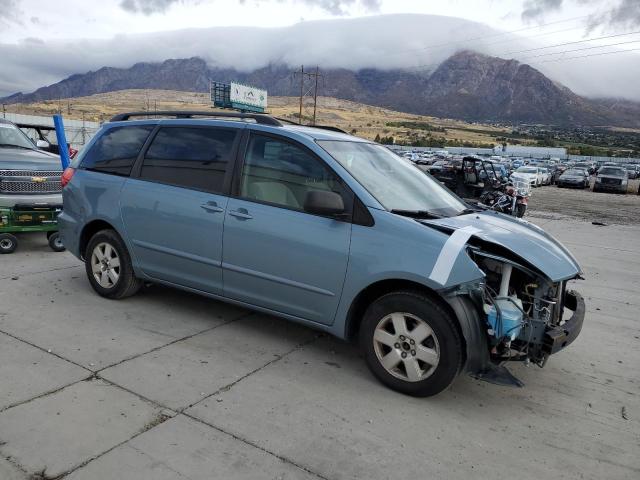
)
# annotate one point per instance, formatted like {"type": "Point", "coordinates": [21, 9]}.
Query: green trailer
{"type": "Point", "coordinates": [29, 218]}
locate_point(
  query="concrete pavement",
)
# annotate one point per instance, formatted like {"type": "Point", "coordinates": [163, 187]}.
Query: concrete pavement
{"type": "Point", "coordinates": [169, 385]}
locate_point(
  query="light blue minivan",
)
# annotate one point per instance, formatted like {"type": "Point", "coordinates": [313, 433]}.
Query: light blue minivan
{"type": "Point", "coordinates": [322, 228]}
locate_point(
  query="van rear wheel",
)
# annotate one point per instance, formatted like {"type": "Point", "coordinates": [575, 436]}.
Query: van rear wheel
{"type": "Point", "coordinates": [108, 266]}
{"type": "Point", "coordinates": [411, 344]}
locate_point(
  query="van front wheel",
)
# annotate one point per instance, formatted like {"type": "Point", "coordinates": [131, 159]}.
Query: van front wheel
{"type": "Point", "coordinates": [411, 344]}
{"type": "Point", "coordinates": [108, 266]}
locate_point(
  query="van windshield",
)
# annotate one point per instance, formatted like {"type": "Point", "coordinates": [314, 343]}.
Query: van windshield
{"type": "Point", "coordinates": [394, 181]}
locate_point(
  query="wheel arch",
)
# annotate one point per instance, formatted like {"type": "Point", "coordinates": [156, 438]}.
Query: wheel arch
{"type": "Point", "coordinates": [382, 287]}
{"type": "Point", "coordinates": [89, 230]}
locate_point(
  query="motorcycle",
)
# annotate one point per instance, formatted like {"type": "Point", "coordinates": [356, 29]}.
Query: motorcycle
{"type": "Point", "coordinates": [512, 199]}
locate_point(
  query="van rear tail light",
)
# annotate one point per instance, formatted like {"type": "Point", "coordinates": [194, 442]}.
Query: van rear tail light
{"type": "Point", "coordinates": [67, 175]}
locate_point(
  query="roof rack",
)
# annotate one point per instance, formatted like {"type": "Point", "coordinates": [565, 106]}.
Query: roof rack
{"type": "Point", "coordinates": [259, 118]}
{"type": "Point", "coordinates": [330, 128]}
{"type": "Point", "coordinates": [322, 127]}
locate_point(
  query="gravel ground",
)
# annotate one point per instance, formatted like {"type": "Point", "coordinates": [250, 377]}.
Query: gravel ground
{"type": "Point", "coordinates": [554, 202]}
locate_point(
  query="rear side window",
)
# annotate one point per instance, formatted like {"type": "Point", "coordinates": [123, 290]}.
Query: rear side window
{"type": "Point", "coordinates": [116, 151]}
{"type": "Point", "coordinates": [189, 157]}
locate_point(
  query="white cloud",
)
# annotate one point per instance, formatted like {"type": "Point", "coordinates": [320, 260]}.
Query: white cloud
{"type": "Point", "coordinates": [384, 42]}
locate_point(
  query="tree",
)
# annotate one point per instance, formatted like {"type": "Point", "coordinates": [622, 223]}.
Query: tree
{"type": "Point", "coordinates": [377, 139]}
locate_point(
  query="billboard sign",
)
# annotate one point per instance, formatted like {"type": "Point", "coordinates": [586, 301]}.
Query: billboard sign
{"type": "Point", "coordinates": [244, 97]}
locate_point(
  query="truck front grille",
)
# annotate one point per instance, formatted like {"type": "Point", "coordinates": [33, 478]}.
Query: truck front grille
{"type": "Point", "coordinates": [612, 181]}
{"type": "Point", "coordinates": [30, 181]}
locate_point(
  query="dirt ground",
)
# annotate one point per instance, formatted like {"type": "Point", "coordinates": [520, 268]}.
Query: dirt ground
{"type": "Point", "coordinates": [558, 203]}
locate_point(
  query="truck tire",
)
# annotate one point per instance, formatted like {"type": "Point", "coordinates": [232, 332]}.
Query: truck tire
{"type": "Point", "coordinates": [411, 344]}
{"type": "Point", "coordinates": [8, 243]}
{"type": "Point", "coordinates": [108, 266]}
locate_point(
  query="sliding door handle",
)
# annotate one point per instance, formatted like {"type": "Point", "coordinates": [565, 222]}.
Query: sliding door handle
{"type": "Point", "coordinates": [211, 207]}
{"type": "Point", "coordinates": [241, 213]}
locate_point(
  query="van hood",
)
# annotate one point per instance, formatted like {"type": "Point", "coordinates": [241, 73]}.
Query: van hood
{"type": "Point", "coordinates": [21, 159]}
{"type": "Point", "coordinates": [527, 241]}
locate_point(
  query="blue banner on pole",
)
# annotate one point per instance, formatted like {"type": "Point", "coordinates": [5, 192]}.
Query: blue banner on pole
{"type": "Point", "coordinates": [62, 141]}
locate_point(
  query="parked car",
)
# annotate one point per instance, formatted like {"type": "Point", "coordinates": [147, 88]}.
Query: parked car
{"type": "Point", "coordinates": [437, 167]}
{"type": "Point", "coordinates": [611, 179]}
{"type": "Point", "coordinates": [531, 174]}
{"type": "Point", "coordinates": [574, 177]}
{"type": "Point", "coordinates": [589, 167]}
{"type": "Point", "coordinates": [321, 228]}
{"type": "Point", "coordinates": [30, 191]}
{"type": "Point", "coordinates": [546, 175]}
{"type": "Point", "coordinates": [632, 172]}
{"type": "Point", "coordinates": [44, 137]}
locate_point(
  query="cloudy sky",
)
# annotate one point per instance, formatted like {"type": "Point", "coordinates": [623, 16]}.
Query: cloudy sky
{"type": "Point", "coordinates": [44, 41]}
{"type": "Point", "coordinates": [63, 19]}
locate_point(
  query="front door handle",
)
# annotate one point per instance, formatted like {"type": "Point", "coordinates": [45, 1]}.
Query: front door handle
{"type": "Point", "coordinates": [241, 213]}
{"type": "Point", "coordinates": [211, 207]}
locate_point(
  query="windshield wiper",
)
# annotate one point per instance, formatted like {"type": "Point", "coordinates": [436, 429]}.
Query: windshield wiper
{"type": "Point", "coordinates": [416, 213]}
{"type": "Point", "coordinates": [473, 208]}
{"type": "Point", "coordinates": [10, 145]}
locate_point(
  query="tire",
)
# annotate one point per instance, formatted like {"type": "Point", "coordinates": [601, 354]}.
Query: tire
{"type": "Point", "coordinates": [520, 210]}
{"type": "Point", "coordinates": [55, 242]}
{"type": "Point", "coordinates": [114, 279]}
{"type": "Point", "coordinates": [8, 243]}
{"type": "Point", "coordinates": [416, 315]}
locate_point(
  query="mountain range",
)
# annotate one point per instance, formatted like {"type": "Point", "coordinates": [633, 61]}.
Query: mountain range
{"type": "Point", "coordinates": [467, 85]}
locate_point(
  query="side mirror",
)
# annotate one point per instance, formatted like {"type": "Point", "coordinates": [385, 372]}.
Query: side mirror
{"type": "Point", "coordinates": [323, 202]}
{"type": "Point", "coordinates": [42, 144]}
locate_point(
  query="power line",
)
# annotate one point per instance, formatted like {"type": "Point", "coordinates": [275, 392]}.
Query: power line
{"type": "Point", "coordinates": [428, 66]}
{"type": "Point", "coordinates": [582, 49]}
{"type": "Point", "coordinates": [483, 37]}
{"type": "Point", "coordinates": [573, 43]}
{"type": "Point", "coordinates": [591, 55]}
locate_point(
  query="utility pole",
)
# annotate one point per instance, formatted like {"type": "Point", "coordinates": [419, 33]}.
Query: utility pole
{"type": "Point", "coordinates": [84, 130]}
{"type": "Point", "coordinates": [313, 76]}
{"type": "Point", "coordinates": [315, 96]}
{"type": "Point", "coordinates": [301, 94]}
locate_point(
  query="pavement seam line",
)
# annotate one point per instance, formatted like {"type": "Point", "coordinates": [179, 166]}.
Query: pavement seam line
{"type": "Point", "coordinates": [96, 374]}
{"type": "Point", "coordinates": [256, 370]}
{"type": "Point", "coordinates": [27, 274]}
{"type": "Point", "coordinates": [255, 445]}
{"type": "Point", "coordinates": [176, 340]}
{"type": "Point", "coordinates": [48, 351]}
{"type": "Point", "coordinates": [12, 461]}
{"type": "Point", "coordinates": [45, 394]}
{"type": "Point", "coordinates": [151, 425]}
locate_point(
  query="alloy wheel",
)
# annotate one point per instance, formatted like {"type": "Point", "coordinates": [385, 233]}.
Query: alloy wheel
{"type": "Point", "coordinates": [105, 265]}
{"type": "Point", "coordinates": [406, 346]}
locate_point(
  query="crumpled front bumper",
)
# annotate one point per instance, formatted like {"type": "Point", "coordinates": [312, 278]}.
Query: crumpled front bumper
{"type": "Point", "coordinates": [557, 338]}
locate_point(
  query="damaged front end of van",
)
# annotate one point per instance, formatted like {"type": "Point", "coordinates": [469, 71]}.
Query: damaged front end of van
{"type": "Point", "coordinates": [522, 309]}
